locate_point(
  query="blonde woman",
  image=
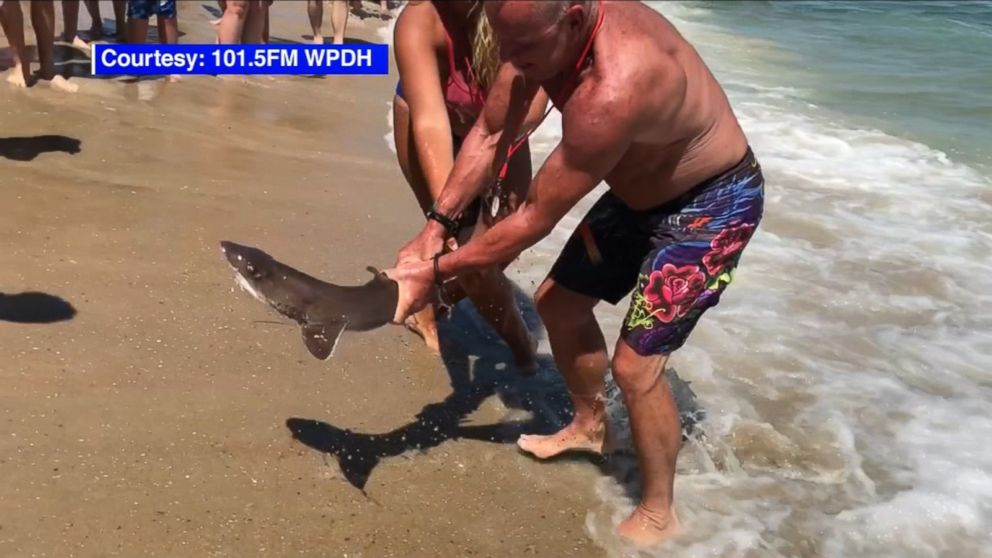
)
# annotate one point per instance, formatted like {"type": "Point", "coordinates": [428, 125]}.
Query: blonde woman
{"type": "Point", "coordinates": [448, 63]}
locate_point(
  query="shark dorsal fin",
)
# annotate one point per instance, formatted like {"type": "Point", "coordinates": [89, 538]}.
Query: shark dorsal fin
{"type": "Point", "coordinates": [322, 339]}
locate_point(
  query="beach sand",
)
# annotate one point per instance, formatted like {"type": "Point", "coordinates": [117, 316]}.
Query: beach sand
{"type": "Point", "coordinates": [156, 421]}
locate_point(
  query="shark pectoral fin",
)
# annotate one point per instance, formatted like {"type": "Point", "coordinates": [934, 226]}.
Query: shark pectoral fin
{"type": "Point", "coordinates": [321, 339]}
{"type": "Point", "coordinates": [377, 273]}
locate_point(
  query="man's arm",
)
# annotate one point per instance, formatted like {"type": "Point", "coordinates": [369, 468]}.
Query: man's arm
{"type": "Point", "coordinates": [597, 133]}
{"type": "Point", "coordinates": [485, 147]}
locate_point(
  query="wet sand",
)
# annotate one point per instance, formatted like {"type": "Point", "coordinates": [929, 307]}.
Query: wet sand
{"type": "Point", "coordinates": [156, 420]}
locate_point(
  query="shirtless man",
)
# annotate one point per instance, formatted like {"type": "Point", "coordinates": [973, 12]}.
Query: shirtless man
{"type": "Point", "coordinates": [640, 111]}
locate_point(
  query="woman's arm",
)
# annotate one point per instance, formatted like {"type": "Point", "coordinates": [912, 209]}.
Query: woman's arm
{"type": "Point", "coordinates": [416, 59]}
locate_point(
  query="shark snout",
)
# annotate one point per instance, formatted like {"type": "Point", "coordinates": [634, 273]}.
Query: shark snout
{"type": "Point", "coordinates": [234, 253]}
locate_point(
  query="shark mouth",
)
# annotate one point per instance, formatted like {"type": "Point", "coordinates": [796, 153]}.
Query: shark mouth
{"type": "Point", "coordinates": [247, 287]}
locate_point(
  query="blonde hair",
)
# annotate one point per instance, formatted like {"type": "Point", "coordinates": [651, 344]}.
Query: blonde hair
{"type": "Point", "coordinates": [485, 49]}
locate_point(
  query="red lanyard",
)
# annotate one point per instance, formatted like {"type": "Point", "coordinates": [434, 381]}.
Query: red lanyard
{"type": "Point", "coordinates": [578, 67]}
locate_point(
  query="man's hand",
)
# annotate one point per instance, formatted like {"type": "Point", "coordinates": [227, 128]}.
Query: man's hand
{"type": "Point", "coordinates": [416, 280]}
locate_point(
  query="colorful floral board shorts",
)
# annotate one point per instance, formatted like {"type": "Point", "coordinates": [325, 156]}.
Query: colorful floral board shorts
{"type": "Point", "coordinates": [677, 258]}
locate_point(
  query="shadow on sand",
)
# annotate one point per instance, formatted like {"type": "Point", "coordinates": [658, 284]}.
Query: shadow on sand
{"type": "Point", "coordinates": [29, 147]}
{"type": "Point", "coordinates": [34, 308]}
{"type": "Point", "coordinates": [474, 358]}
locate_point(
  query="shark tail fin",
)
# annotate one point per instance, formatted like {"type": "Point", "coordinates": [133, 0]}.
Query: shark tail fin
{"type": "Point", "coordinates": [322, 339]}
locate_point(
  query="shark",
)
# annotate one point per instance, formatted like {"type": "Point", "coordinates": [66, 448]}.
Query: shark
{"type": "Point", "coordinates": [323, 310]}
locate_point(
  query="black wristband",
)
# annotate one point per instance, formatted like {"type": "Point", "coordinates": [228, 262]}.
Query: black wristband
{"type": "Point", "coordinates": [449, 224]}
{"type": "Point", "coordinates": [437, 269]}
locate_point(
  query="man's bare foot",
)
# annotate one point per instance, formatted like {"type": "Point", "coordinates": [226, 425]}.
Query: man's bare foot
{"type": "Point", "coordinates": [575, 436]}
{"type": "Point", "coordinates": [18, 76]}
{"type": "Point", "coordinates": [318, 39]}
{"type": "Point", "coordinates": [427, 333]}
{"type": "Point", "coordinates": [59, 83]}
{"type": "Point", "coordinates": [647, 528]}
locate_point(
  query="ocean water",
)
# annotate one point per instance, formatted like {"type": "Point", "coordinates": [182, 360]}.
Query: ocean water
{"type": "Point", "coordinates": [847, 373]}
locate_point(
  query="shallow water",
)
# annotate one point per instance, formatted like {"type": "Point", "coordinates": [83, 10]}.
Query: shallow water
{"type": "Point", "coordinates": [846, 373]}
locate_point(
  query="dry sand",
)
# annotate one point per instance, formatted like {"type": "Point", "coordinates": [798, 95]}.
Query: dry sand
{"type": "Point", "coordinates": [154, 421]}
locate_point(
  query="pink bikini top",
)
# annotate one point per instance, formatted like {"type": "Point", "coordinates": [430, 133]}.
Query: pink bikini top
{"type": "Point", "coordinates": [461, 97]}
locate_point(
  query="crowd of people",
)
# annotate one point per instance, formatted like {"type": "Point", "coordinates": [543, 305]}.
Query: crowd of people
{"type": "Point", "coordinates": [641, 112]}
{"type": "Point", "coordinates": [240, 22]}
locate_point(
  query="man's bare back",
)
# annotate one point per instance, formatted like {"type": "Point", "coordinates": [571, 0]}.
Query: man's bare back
{"type": "Point", "coordinates": [635, 50]}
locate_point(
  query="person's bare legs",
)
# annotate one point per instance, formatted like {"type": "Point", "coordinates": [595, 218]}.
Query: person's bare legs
{"type": "Point", "coordinates": [137, 30]}
{"type": "Point", "coordinates": [43, 21]}
{"type": "Point", "coordinates": [96, 20]}
{"type": "Point", "coordinates": [168, 30]}
{"type": "Point", "coordinates": [315, 10]}
{"type": "Point", "coordinates": [339, 20]}
{"type": "Point", "coordinates": [254, 28]}
{"type": "Point", "coordinates": [265, 28]}
{"type": "Point", "coordinates": [579, 350]}
{"type": "Point", "coordinates": [12, 20]}
{"type": "Point", "coordinates": [70, 20]}
{"type": "Point", "coordinates": [120, 20]}
{"type": "Point", "coordinates": [232, 23]}
{"type": "Point", "coordinates": [492, 294]}
{"type": "Point", "coordinates": [657, 433]}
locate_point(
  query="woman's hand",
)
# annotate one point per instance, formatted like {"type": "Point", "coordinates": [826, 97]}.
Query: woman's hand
{"type": "Point", "coordinates": [430, 241]}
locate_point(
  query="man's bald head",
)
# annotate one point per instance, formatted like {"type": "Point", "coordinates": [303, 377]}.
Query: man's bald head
{"type": "Point", "coordinates": [537, 35]}
{"type": "Point", "coordinates": [540, 12]}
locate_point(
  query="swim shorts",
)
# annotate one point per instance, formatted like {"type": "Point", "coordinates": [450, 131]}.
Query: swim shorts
{"type": "Point", "coordinates": [677, 258]}
{"type": "Point", "coordinates": [145, 9]}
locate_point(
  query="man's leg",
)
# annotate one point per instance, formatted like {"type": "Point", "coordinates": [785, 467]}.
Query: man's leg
{"type": "Point", "coordinates": [657, 433]}
{"type": "Point", "coordinates": [12, 20]}
{"type": "Point", "coordinates": [265, 27]}
{"type": "Point", "coordinates": [255, 23]}
{"type": "Point", "coordinates": [120, 20]}
{"type": "Point", "coordinates": [70, 20]}
{"type": "Point", "coordinates": [96, 20]}
{"type": "Point", "coordinates": [168, 23]}
{"type": "Point", "coordinates": [565, 302]}
{"type": "Point", "coordinates": [43, 21]}
{"type": "Point", "coordinates": [579, 350]}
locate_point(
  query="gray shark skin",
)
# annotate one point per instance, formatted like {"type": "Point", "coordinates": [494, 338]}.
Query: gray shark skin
{"type": "Point", "coordinates": [323, 310]}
